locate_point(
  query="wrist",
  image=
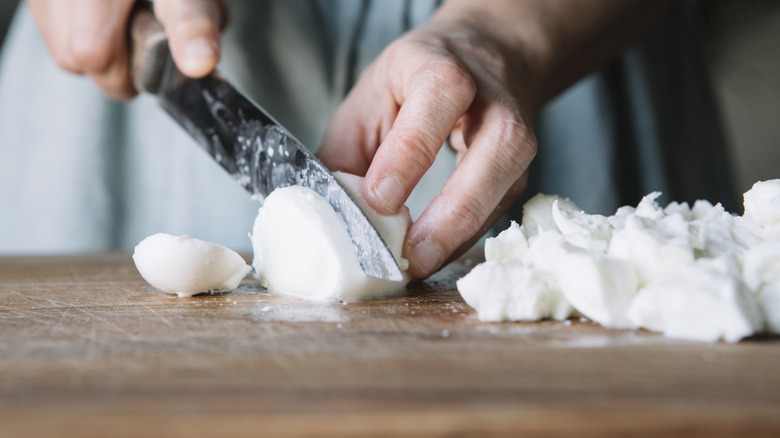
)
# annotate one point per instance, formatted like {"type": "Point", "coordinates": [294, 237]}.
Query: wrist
{"type": "Point", "coordinates": [497, 29]}
{"type": "Point", "coordinates": [556, 42]}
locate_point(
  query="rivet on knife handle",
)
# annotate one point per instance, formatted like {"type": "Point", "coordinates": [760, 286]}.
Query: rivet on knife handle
{"type": "Point", "coordinates": [149, 50]}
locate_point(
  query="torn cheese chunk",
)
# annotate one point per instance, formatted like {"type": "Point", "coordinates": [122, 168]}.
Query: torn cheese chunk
{"type": "Point", "coordinates": [762, 203]}
{"type": "Point", "coordinates": [538, 216]}
{"type": "Point", "coordinates": [700, 304]}
{"type": "Point", "coordinates": [506, 290]}
{"type": "Point", "coordinates": [761, 267]}
{"type": "Point", "coordinates": [762, 206]}
{"type": "Point", "coordinates": [509, 244]}
{"type": "Point", "coordinates": [186, 266]}
{"type": "Point", "coordinates": [598, 286]}
{"type": "Point", "coordinates": [656, 248]}
{"type": "Point", "coordinates": [302, 247]}
{"type": "Point", "coordinates": [587, 231]}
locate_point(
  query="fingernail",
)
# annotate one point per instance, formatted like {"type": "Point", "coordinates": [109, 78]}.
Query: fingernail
{"type": "Point", "coordinates": [390, 192]}
{"type": "Point", "coordinates": [427, 255]}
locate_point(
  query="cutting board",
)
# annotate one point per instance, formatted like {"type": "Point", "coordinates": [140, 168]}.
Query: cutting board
{"type": "Point", "coordinates": [87, 348]}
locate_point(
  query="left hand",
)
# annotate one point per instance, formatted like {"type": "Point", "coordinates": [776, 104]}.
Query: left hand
{"type": "Point", "coordinates": [90, 37]}
{"type": "Point", "coordinates": [437, 82]}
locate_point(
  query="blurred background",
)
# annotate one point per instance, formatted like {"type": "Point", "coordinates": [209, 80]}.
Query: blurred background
{"type": "Point", "coordinates": [743, 49]}
{"type": "Point", "coordinates": [6, 12]}
{"type": "Point", "coordinates": [744, 54]}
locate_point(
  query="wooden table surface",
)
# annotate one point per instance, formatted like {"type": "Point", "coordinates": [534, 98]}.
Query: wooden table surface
{"type": "Point", "coordinates": [87, 348]}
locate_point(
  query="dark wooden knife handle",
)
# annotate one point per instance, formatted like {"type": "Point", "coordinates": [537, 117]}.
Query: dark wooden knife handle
{"type": "Point", "coordinates": [149, 50]}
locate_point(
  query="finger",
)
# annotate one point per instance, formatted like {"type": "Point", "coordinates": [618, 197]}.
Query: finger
{"type": "Point", "coordinates": [53, 19]}
{"type": "Point", "coordinates": [357, 127]}
{"type": "Point", "coordinates": [432, 100]}
{"type": "Point", "coordinates": [487, 178]}
{"type": "Point", "coordinates": [342, 144]}
{"type": "Point", "coordinates": [193, 28]}
{"type": "Point", "coordinates": [97, 38]}
{"type": "Point", "coordinates": [98, 43]}
{"type": "Point", "coordinates": [506, 203]}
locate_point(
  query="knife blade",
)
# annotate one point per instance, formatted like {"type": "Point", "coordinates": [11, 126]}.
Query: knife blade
{"type": "Point", "coordinates": [244, 139]}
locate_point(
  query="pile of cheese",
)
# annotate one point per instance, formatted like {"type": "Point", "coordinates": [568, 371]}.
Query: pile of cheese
{"type": "Point", "coordinates": [697, 273]}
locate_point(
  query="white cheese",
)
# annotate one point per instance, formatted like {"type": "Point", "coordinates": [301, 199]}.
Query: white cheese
{"type": "Point", "coordinates": [506, 290]}
{"type": "Point", "coordinates": [656, 248]}
{"type": "Point", "coordinates": [302, 247]}
{"type": "Point", "coordinates": [696, 273]}
{"type": "Point", "coordinates": [700, 304]}
{"type": "Point", "coordinates": [598, 286]}
{"type": "Point", "coordinates": [509, 244]}
{"type": "Point", "coordinates": [762, 203]}
{"type": "Point", "coordinates": [761, 267]}
{"type": "Point", "coordinates": [537, 213]}
{"type": "Point", "coordinates": [586, 231]}
{"type": "Point", "coordinates": [187, 266]}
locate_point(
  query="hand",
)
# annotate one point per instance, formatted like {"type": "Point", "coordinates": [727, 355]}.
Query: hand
{"type": "Point", "coordinates": [90, 37]}
{"type": "Point", "coordinates": [477, 73]}
{"type": "Point", "coordinates": [438, 82]}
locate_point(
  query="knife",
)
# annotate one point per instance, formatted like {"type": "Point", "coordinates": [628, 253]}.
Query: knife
{"type": "Point", "coordinates": [244, 139]}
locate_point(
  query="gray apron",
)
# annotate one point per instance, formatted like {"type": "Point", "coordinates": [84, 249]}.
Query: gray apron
{"type": "Point", "coordinates": [80, 173]}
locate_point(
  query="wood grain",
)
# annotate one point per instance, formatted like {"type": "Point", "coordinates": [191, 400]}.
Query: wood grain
{"type": "Point", "coordinates": [89, 349]}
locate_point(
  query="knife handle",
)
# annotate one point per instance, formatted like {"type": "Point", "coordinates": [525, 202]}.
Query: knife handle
{"type": "Point", "coordinates": [148, 46]}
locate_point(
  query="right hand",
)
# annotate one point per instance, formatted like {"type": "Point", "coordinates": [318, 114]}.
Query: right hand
{"type": "Point", "coordinates": [90, 37]}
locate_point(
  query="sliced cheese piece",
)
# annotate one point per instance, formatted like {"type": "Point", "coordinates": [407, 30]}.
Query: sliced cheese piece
{"type": "Point", "coordinates": [186, 266]}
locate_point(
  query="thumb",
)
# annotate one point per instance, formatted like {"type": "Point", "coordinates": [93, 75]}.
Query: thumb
{"type": "Point", "coordinates": [193, 28]}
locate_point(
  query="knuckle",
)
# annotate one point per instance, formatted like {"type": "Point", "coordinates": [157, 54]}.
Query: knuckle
{"type": "Point", "coordinates": [195, 23]}
{"type": "Point", "coordinates": [94, 54]}
{"type": "Point", "coordinates": [64, 60]}
{"type": "Point", "coordinates": [415, 148]}
{"type": "Point", "coordinates": [450, 79]}
{"type": "Point", "coordinates": [514, 146]}
{"type": "Point", "coordinates": [450, 70]}
{"type": "Point", "coordinates": [467, 214]}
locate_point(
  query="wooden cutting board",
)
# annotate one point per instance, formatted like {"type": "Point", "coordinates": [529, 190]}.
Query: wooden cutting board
{"type": "Point", "coordinates": [87, 348]}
